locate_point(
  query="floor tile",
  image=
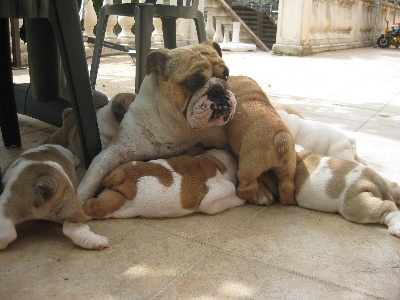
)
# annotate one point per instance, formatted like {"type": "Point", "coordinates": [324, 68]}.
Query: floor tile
{"type": "Point", "coordinates": [211, 230]}
{"type": "Point", "coordinates": [363, 258]}
{"type": "Point", "coordinates": [226, 276]}
{"type": "Point", "coordinates": [44, 264]}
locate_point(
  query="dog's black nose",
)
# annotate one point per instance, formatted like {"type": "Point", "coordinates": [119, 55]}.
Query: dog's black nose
{"type": "Point", "coordinates": [221, 107]}
{"type": "Point", "coordinates": [218, 95]}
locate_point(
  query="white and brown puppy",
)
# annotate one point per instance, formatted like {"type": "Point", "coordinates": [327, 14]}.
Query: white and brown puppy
{"type": "Point", "coordinates": [40, 184]}
{"type": "Point", "coordinates": [171, 187]}
{"type": "Point", "coordinates": [262, 142]}
{"type": "Point", "coordinates": [108, 119]}
{"type": "Point", "coordinates": [321, 138]}
{"type": "Point", "coordinates": [351, 189]}
{"type": "Point", "coordinates": [184, 100]}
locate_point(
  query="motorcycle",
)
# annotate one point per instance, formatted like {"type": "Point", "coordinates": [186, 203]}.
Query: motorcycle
{"type": "Point", "coordinates": [390, 37]}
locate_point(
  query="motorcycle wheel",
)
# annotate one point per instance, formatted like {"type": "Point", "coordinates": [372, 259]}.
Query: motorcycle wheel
{"type": "Point", "coordinates": [383, 42]}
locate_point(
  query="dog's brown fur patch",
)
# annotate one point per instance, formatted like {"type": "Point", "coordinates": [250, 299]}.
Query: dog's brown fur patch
{"type": "Point", "coordinates": [307, 162]}
{"type": "Point", "coordinates": [340, 169]}
{"type": "Point", "coordinates": [195, 172]}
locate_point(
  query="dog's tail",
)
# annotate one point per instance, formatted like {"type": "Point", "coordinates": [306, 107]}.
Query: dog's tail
{"type": "Point", "coordinates": [45, 187]}
{"type": "Point", "coordinates": [284, 144]}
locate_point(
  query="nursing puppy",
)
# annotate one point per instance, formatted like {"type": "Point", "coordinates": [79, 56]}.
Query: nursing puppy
{"type": "Point", "coordinates": [262, 142]}
{"type": "Point", "coordinates": [40, 184]}
{"type": "Point", "coordinates": [171, 187]}
{"type": "Point", "coordinates": [351, 189]}
{"type": "Point", "coordinates": [184, 100]}
{"type": "Point", "coordinates": [321, 138]}
{"type": "Point", "coordinates": [108, 119]}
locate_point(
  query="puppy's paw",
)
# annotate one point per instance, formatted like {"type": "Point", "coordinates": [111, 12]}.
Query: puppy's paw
{"type": "Point", "coordinates": [262, 197]}
{"type": "Point", "coordinates": [7, 235]}
{"type": "Point", "coordinates": [395, 230]}
{"type": "Point", "coordinates": [81, 235]}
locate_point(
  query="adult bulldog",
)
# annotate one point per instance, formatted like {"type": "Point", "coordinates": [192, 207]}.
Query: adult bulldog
{"type": "Point", "coordinates": [184, 100]}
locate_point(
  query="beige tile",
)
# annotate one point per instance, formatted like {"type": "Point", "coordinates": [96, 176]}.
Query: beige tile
{"type": "Point", "coordinates": [340, 111]}
{"type": "Point", "coordinates": [226, 276]}
{"type": "Point", "coordinates": [44, 264]}
{"type": "Point", "coordinates": [325, 247]}
{"type": "Point", "coordinates": [389, 116]}
{"type": "Point", "coordinates": [211, 230]}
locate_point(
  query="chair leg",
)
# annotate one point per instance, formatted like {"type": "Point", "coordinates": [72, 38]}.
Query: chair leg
{"type": "Point", "coordinates": [143, 28]}
{"type": "Point", "coordinates": [8, 109]}
{"type": "Point", "coordinates": [65, 21]}
{"type": "Point", "coordinates": [200, 27]}
{"type": "Point", "coordinates": [98, 46]}
{"type": "Point", "coordinates": [169, 32]}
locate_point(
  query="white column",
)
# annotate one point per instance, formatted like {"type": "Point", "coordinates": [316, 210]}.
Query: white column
{"type": "Point", "coordinates": [112, 21]}
{"type": "Point", "coordinates": [210, 31]}
{"type": "Point", "coordinates": [90, 18]}
{"type": "Point", "coordinates": [126, 36]}
{"type": "Point", "coordinates": [218, 36]}
{"type": "Point", "coordinates": [157, 35]}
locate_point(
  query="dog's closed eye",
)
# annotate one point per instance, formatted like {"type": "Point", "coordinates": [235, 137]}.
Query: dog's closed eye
{"type": "Point", "coordinates": [194, 82]}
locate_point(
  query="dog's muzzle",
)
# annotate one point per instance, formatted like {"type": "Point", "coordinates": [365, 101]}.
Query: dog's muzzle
{"type": "Point", "coordinates": [213, 104]}
{"type": "Point", "coordinates": [221, 104]}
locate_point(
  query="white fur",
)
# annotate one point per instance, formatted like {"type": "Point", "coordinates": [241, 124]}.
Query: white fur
{"type": "Point", "coordinates": [321, 138]}
{"type": "Point", "coordinates": [81, 235]}
{"type": "Point", "coordinates": [107, 123]}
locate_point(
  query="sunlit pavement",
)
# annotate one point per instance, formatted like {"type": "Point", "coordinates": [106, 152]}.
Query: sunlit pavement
{"type": "Point", "coordinates": [249, 252]}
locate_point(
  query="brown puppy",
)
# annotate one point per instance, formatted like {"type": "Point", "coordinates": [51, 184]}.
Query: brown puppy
{"type": "Point", "coordinates": [108, 119]}
{"type": "Point", "coordinates": [262, 141]}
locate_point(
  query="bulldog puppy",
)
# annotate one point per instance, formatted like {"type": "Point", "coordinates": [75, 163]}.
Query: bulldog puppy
{"type": "Point", "coordinates": [171, 187]}
{"type": "Point", "coordinates": [346, 187]}
{"type": "Point", "coordinates": [184, 100]}
{"type": "Point", "coordinates": [108, 119]}
{"type": "Point", "coordinates": [262, 142]}
{"type": "Point", "coordinates": [40, 184]}
{"type": "Point", "coordinates": [321, 138]}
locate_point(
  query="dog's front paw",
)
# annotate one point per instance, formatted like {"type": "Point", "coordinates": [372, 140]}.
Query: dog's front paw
{"type": "Point", "coordinates": [7, 235]}
{"type": "Point", "coordinates": [395, 230]}
{"type": "Point", "coordinates": [262, 197]}
{"type": "Point", "coordinates": [81, 235]}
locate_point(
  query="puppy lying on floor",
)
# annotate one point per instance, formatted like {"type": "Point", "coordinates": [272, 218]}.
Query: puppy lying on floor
{"type": "Point", "coordinates": [108, 119]}
{"type": "Point", "coordinates": [41, 184]}
{"type": "Point", "coordinates": [321, 138]}
{"type": "Point", "coordinates": [349, 188]}
{"type": "Point", "coordinates": [168, 187]}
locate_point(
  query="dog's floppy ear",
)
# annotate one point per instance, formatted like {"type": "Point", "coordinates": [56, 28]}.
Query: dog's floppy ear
{"type": "Point", "coordinates": [155, 61]}
{"type": "Point", "coordinates": [215, 46]}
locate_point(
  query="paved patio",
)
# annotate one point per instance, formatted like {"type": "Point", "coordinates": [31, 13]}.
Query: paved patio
{"type": "Point", "coordinates": [249, 252]}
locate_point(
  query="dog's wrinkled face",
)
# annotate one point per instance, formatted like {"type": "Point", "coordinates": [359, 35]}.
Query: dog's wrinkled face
{"type": "Point", "coordinates": [194, 81]}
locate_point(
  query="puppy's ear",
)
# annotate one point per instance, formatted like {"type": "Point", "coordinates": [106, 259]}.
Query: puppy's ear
{"type": "Point", "coordinates": [215, 46]}
{"type": "Point", "coordinates": [120, 104]}
{"type": "Point", "coordinates": [155, 61]}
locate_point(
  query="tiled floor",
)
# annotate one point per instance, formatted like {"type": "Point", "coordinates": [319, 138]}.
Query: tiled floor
{"type": "Point", "coordinates": [249, 252]}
